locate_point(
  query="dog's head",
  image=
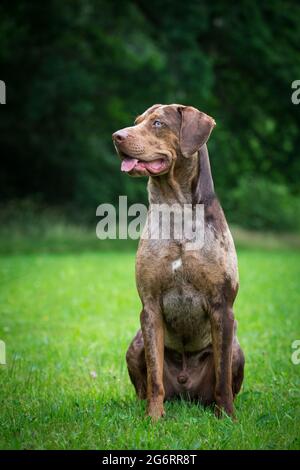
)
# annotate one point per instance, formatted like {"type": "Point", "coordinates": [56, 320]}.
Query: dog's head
{"type": "Point", "coordinates": [162, 136]}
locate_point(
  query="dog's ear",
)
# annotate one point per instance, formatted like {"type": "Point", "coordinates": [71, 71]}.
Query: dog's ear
{"type": "Point", "coordinates": [195, 129]}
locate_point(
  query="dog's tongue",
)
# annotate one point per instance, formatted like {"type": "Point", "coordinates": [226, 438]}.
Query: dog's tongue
{"type": "Point", "coordinates": [128, 164]}
{"type": "Point", "coordinates": [155, 165]}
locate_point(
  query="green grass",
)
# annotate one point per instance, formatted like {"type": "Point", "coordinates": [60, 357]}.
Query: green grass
{"type": "Point", "coordinates": [63, 316]}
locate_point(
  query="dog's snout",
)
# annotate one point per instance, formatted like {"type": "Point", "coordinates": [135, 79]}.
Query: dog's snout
{"type": "Point", "coordinates": [120, 136]}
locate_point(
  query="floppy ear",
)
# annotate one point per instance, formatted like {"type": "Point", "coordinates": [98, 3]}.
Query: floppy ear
{"type": "Point", "coordinates": [195, 129]}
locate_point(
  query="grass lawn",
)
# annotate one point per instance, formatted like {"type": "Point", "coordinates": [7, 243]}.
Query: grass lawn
{"type": "Point", "coordinates": [67, 320]}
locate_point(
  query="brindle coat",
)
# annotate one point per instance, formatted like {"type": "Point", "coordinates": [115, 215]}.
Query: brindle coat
{"type": "Point", "coordinates": [187, 345]}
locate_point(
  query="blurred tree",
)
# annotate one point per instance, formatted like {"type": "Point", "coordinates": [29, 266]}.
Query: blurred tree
{"type": "Point", "coordinates": [75, 71]}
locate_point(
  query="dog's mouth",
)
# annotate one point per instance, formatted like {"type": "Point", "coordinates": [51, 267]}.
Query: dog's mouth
{"type": "Point", "coordinates": [154, 167]}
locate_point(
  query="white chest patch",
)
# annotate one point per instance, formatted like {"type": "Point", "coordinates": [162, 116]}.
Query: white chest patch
{"type": "Point", "coordinates": [176, 264]}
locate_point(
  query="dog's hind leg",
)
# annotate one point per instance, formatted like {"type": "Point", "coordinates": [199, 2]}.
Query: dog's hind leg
{"type": "Point", "coordinates": [202, 375]}
{"type": "Point", "coordinates": [238, 363]}
{"type": "Point", "coordinates": [205, 379]}
{"type": "Point", "coordinates": [136, 364]}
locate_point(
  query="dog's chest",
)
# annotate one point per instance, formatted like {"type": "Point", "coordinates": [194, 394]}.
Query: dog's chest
{"type": "Point", "coordinates": [183, 307]}
{"type": "Point", "coordinates": [185, 282]}
{"type": "Point", "coordinates": [187, 325]}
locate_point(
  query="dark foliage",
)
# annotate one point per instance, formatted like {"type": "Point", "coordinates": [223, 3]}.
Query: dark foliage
{"type": "Point", "coordinates": [75, 71]}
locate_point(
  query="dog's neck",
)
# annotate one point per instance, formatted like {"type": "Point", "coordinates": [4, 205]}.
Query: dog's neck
{"type": "Point", "coordinates": [188, 183]}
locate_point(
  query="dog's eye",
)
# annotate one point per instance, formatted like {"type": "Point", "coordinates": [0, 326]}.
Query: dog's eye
{"type": "Point", "coordinates": [157, 123]}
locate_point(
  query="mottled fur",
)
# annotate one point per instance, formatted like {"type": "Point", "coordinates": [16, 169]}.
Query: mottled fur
{"type": "Point", "coordinates": [187, 344]}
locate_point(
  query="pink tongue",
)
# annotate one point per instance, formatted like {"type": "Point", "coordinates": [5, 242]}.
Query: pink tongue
{"type": "Point", "coordinates": [128, 164]}
{"type": "Point", "coordinates": [155, 164]}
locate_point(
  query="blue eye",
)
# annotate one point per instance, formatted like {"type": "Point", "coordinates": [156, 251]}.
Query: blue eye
{"type": "Point", "coordinates": [157, 123]}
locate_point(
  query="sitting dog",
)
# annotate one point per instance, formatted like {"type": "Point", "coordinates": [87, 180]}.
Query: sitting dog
{"type": "Point", "coordinates": [187, 345]}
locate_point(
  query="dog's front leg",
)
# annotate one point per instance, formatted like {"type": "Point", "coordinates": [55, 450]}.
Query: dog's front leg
{"type": "Point", "coordinates": [222, 326]}
{"type": "Point", "coordinates": [153, 334]}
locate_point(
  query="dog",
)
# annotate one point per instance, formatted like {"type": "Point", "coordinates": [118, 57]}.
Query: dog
{"type": "Point", "coordinates": [187, 346]}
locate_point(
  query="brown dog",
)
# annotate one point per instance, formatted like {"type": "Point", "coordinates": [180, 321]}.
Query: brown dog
{"type": "Point", "coordinates": [187, 345]}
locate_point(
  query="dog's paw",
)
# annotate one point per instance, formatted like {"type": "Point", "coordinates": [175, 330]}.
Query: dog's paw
{"type": "Point", "coordinates": [155, 411]}
{"type": "Point", "coordinates": [225, 411]}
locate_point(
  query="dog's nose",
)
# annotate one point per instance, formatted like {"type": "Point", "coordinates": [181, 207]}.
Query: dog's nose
{"type": "Point", "coordinates": [120, 136]}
